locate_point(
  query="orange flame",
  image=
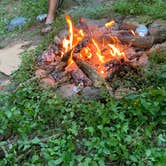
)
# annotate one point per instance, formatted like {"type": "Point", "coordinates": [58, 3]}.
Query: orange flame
{"type": "Point", "coordinates": [96, 53]}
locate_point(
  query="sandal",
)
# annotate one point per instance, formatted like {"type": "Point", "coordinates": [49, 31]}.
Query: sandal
{"type": "Point", "coordinates": [47, 28]}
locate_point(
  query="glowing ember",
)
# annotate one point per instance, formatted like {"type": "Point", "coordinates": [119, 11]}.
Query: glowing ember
{"type": "Point", "coordinates": [96, 53]}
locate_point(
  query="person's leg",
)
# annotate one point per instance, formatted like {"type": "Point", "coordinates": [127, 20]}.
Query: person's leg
{"type": "Point", "coordinates": [51, 11]}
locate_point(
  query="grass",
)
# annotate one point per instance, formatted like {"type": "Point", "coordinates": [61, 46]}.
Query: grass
{"type": "Point", "coordinates": [39, 128]}
{"type": "Point", "coordinates": [154, 9]}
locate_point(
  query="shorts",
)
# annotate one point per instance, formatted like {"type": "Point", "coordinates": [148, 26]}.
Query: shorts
{"type": "Point", "coordinates": [59, 3]}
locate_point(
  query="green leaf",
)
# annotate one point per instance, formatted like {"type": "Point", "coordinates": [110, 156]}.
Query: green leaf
{"type": "Point", "coordinates": [35, 140]}
{"type": "Point", "coordinates": [55, 162]}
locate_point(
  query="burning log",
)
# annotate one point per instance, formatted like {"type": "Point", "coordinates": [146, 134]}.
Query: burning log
{"type": "Point", "coordinates": [97, 80]}
{"type": "Point", "coordinates": [89, 71]}
{"type": "Point", "coordinates": [76, 49]}
{"type": "Point", "coordinates": [66, 56]}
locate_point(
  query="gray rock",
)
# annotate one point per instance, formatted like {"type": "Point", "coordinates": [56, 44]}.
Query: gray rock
{"type": "Point", "coordinates": [47, 83]}
{"type": "Point", "coordinates": [143, 61]}
{"type": "Point", "coordinates": [158, 48]}
{"type": "Point", "coordinates": [132, 22]}
{"type": "Point", "coordinates": [67, 91]}
{"type": "Point", "coordinates": [92, 93]}
{"type": "Point", "coordinates": [158, 30]}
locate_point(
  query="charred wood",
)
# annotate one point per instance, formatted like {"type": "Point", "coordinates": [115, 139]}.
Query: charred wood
{"type": "Point", "coordinates": [92, 74]}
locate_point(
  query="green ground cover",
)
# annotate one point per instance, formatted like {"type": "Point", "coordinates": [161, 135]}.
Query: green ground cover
{"type": "Point", "coordinates": [39, 128]}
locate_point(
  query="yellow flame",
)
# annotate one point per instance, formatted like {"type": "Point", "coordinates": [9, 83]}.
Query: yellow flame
{"type": "Point", "coordinates": [133, 33]}
{"type": "Point", "coordinates": [98, 52]}
{"type": "Point", "coordinates": [109, 24]}
{"type": "Point", "coordinates": [71, 28]}
{"type": "Point", "coordinates": [115, 52]}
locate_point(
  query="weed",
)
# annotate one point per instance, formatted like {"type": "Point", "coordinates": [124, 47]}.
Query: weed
{"type": "Point", "coordinates": [154, 9]}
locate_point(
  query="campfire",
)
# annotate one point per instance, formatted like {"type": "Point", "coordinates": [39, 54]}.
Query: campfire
{"type": "Point", "coordinates": [88, 55]}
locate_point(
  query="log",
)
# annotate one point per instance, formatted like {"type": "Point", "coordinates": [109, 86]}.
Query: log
{"type": "Point", "coordinates": [140, 42]}
{"type": "Point", "coordinates": [92, 74]}
{"type": "Point", "coordinates": [76, 49]}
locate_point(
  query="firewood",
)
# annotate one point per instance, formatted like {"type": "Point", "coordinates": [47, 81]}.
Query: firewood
{"type": "Point", "coordinates": [64, 62]}
{"type": "Point", "coordinates": [92, 74]}
{"type": "Point", "coordinates": [76, 49]}
{"type": "Point", "coordinates": [141, 42]}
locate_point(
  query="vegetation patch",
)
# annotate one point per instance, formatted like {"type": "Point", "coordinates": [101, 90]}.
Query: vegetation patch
{"type": "Point", "coordinates": [152, 8]}
{"type": "Point", "coordinates": [39, 128]}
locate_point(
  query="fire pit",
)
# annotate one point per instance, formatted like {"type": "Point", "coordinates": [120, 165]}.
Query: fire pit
{"type": "Point", "coordinates": [89, 54]}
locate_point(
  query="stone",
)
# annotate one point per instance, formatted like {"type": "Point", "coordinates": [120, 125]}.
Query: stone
{"type": "Point", "coordinates": [158, 30]}
{"type": "Point", "coordinates": [4, 81]}
{"type": "Point", "coordinates": [78, 76]}
{"type": "Point", "coordinates": [40, 72]}
{"type": "Point", "coordinates": [92, 93]}
{"type": "Point", "coordinates": [96, 23]}
{"type": "Point", "coordinates": [118, 18]}
{"type": "Point", "coordinates": [47, 83]}
{"type": "Point", "coordinates": [130, 23]}
{"type": "Point", "coordinates": [158, 48]}
{"type": "Point", "coordinates": [141, 62]}
{"type": "Point", "coordinates": [67, 91]}
{"type": "Point", "coordinates": [143, 42]}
